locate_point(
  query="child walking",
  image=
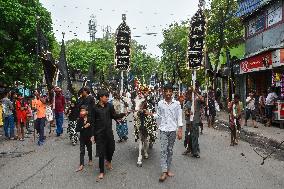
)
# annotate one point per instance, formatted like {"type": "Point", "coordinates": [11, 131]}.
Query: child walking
{"type": "Point", "coordinates": [86, 132]}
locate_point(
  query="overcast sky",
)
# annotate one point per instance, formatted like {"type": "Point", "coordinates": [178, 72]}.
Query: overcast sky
{"type": "Point", "coordinates": [143, 16]}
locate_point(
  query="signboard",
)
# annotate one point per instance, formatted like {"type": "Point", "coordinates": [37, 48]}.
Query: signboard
{"type": "Point", "coordinates": [264, 61]}
{"type": "Point", "coordinates": [122, 46]}
{"type": "Point", "coordinates": [250, 6]}
{"type": "Point", "coordinates": [278, 58]}
{"type": "Point", "coordinates": [274, 13]}
{"type": "Point", "coordinates": [279, 111]}
{"type": "Point", "coordinates": [256, 63]}
{"type": "Point", "coordinates": [196, 40]}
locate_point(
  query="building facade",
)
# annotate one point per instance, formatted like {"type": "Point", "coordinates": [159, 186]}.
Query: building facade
{"type": "Point", "coordinates": [263, 63]}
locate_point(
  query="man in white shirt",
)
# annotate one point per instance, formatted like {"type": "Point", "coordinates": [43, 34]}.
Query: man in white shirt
{"type": "Point", "coordinates": [250, 109]}
{"type": "Point", "coordinates": [170, 115]}
{"type": "Point", "coordinates": [269, 105]}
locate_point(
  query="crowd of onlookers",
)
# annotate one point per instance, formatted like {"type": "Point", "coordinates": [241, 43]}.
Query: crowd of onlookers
{"type": "Point", "coordinates": [21, 115]}
{"type": "Point", "coordinates": [16, 111]}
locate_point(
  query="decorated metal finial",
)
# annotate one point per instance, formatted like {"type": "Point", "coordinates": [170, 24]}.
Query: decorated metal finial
{"type": "Point", "coordinates": [123, 17]}
{"type": "Point", "coordinates": [201, 4]}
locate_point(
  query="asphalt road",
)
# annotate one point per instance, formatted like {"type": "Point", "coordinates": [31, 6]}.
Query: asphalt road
{"type": "Point", "coordinates": [25, 165]}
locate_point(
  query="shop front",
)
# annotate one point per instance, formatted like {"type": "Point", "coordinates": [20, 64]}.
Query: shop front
{"type": "Point", "coordinates": [262, 71]}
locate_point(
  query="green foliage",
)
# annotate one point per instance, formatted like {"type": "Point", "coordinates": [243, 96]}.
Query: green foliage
{"type": "Point", "coordinates": [224, 30]}
{"type": "Point", "coordinates": [18, 39]}
{"type": "Point", "coordinates": [81, 54]}
{"type": "Point", "coordinates": [174, 50]}
{"type": "Point", "coordinates": [143, 65]}
{"type": "Point", "coordinates": [100, 53]}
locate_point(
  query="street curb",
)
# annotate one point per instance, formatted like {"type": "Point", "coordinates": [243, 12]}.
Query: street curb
{"type": "Point", "coordinates": [251, 137]}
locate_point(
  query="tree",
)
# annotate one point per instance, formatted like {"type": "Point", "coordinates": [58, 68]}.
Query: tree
{"type": "Point", "coordinates": [18, 38]}
{"type": "Point", "coordinates": [174, 53]}
{"type": "Point", "coordinates": [224, 29]}
{"type": "Point", "coordinates": [143, 65]}
{"type": "Point", "coordinates": [82, 54]}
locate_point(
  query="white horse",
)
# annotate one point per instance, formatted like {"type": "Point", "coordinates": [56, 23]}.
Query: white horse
{"type": "Point", "coordinates": [141, 134]}
{"type": "Point", "coordinates": [143, 148]}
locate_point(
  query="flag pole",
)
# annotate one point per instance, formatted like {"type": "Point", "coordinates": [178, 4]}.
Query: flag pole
{"type": "Point", "coordinates": [121, 83]}
{"type": "Point", "coordinates": [193, 93]}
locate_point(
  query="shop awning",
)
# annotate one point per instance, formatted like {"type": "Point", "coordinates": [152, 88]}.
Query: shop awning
{"type": "Point", "coordinates": [263, 61]}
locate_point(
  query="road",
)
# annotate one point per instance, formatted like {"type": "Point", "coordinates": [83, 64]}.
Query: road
{"type": "Point", "coordinates": [220, 166]}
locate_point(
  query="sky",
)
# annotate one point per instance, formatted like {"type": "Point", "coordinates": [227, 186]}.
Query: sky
{"type": "Point", "coordinates": [142, 16]}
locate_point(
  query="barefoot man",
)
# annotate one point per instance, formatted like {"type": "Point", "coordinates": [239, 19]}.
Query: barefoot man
{"type": "Point", "coordinates": [170, 115]}
{"type": "Point", "coordinates": [102, 115]}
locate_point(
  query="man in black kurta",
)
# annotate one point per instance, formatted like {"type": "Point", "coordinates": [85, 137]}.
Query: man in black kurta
{"type": "Point", "coordinates": [102, 115]}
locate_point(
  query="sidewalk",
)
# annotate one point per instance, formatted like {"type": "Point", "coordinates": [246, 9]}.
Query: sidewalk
{"type": "Point", "coordinates": [274, 134]}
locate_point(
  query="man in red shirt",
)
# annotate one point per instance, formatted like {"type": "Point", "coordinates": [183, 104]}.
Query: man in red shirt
{"type": "Point", "coordinates": [59, 103]}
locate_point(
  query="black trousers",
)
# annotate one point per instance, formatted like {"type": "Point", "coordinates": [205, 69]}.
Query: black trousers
{"type": "Point", "coordinates": [187, 137]}
{"type": "Point", "coordinates": [108, 156]}
{"type": "Point", "coordinates": [88, 143]}
{"type": "Point", "coordinates": [194, 135]}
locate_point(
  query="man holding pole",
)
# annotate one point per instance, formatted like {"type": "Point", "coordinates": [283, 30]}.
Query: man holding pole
{"type": "Point", "coordinates": [196, 122]}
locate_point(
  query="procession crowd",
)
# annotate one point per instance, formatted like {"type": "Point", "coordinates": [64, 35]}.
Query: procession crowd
{"type": "Point", "coordinates": [91, 115]}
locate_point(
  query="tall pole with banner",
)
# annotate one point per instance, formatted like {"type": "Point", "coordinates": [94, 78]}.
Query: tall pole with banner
{"type": "Point", "coordinates": [195, 47]}
{"type": "Point", "coordinates": [122, 48]}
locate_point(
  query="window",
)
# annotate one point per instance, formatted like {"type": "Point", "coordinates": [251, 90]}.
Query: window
{"type": "Point", "coordinates": [260, 23]}
{"type": "Point", "coordinates": [272, 16]}
{"type": "Point", "coordinates": [256, 25]}
{"type": "Point", "coordinates": [251, 28]}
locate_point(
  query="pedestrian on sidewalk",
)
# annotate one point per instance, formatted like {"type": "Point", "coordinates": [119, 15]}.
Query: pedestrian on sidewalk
{"type": "Point", "coordinates": [86, 132]}
{"type": "Point", "coordinates": [235, 112]}
{"type": "Point", "coordinates": [102, 114]}
{"type": "Point", "coordinates": [21, 114]}
{"type": "Point", "coordinates": [170, 114]}
{"type": "Point", "coordinates": [8, 115]}
{"type": "Point", "coordinates": [269, 105]}
{"type": "Point", "coordinates": [250, 109]}
{"type": "Point", "coordinates": [261, 102]}
{"type": "Point", "coordinates": [59, 110]}
{"type": "Point", "coordinates": [41, 116]}
{"type": "Point", "coordinates": [29, 116]}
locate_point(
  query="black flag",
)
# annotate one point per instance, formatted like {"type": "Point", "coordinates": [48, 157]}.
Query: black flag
{"type": "Point", "coordinates": [122, 50]}
{"type": "Point", "coordinates": [196, 39]}
{"type": "Point", "coordinates": [46, 58]}
{"type": "Point", "coordinates": [63, 68]}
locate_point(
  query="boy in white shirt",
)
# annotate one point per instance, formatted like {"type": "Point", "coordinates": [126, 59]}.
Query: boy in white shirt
{"type": "Point", "coordinates": [250, 109]}
{"type": "Point", "coordinates": [170, 115]}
